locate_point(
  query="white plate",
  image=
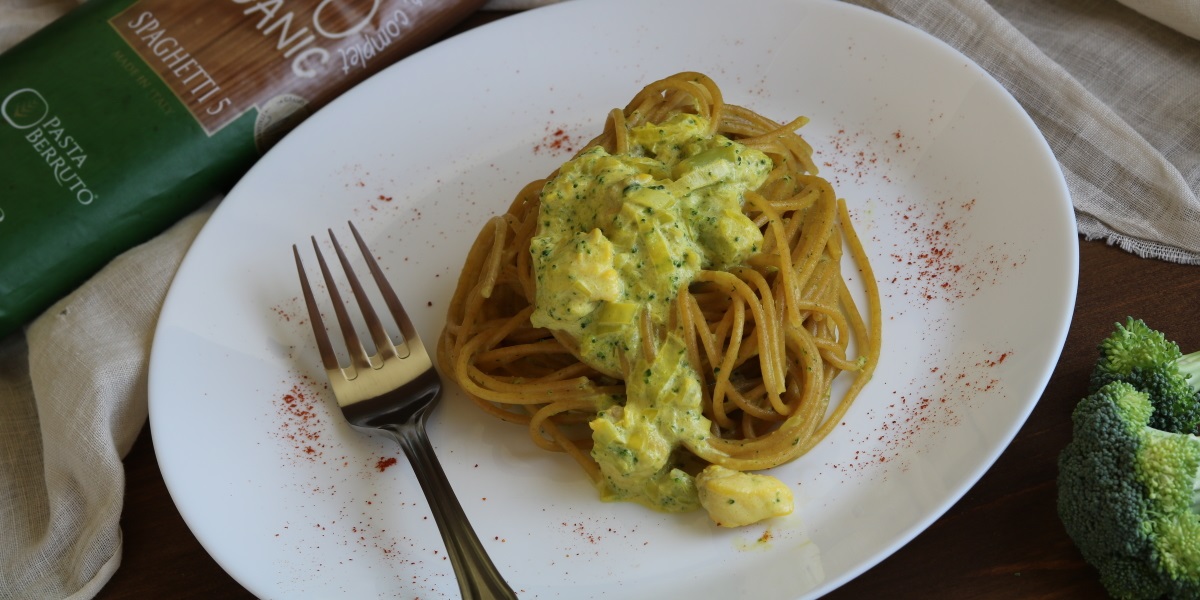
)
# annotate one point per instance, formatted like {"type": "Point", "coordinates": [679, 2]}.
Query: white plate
{"type": "Point", "coordinates": [956, 195]}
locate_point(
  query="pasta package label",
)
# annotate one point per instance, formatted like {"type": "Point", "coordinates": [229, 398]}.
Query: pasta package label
{"type": "Point", "coordinates": [124, 115]}
{"type": "Point", "coordinates": [285, 55]}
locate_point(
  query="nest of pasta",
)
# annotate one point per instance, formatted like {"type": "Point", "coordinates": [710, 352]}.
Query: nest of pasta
{"type": "Point", "coordinates": [767, 337]}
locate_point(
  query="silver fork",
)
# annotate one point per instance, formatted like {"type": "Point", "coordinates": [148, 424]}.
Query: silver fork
{"type": "Point", "coordinates": [394, 391]}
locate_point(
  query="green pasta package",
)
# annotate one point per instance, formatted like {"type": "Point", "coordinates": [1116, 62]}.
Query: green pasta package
{"type": "Point", "coordinates": [125, 115]}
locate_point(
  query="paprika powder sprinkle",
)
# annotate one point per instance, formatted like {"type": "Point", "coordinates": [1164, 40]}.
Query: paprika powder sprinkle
{"type": "Point", "coordinates": [558, 142]}
{"type": "Point", "coordinates": [301, 420]}
{"type": "Point", "coordinates": [921, 410]}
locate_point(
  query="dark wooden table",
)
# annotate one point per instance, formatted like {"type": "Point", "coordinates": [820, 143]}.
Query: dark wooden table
{"type": "Point", "coordinates": [1001, 540]}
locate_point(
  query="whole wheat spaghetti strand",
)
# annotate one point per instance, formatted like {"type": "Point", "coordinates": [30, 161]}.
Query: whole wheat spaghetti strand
{"type": "Point", "coordinates": [775, 226]}
{"type": "Point", "coordinates": [537, 423]}
{"type": "Point", "coordinates": [723, 361]}
{"type": "Point", "coordinates": [573, 448]}
{"type": "Point", "coordinates": [764, 337]}
{"type": "Point", "coordinates": [868, 331]}
{"type": "Point", "coordinates": [491, 359]}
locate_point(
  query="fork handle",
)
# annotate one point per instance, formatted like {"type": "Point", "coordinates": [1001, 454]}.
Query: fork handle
{"type": "Point", "coordinates": [478, 578]}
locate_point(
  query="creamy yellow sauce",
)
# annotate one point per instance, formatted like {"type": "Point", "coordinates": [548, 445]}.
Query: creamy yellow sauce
{"type": "Point", "coordinates": [622, 234]}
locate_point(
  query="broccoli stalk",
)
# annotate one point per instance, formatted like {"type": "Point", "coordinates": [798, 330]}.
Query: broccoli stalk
{"type": "Point", "coordinates": [1127, 495]}
{"type": "Point", "coordinates": [1146, 359]}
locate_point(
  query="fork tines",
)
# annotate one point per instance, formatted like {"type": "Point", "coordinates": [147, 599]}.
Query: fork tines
{"type": "Point", "coordinates": [385, 349]}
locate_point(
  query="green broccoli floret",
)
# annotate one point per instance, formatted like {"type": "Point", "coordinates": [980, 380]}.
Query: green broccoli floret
{"type": "Point", "coordinates": [1145, 358]}
{"type": "Point", "coordinates": [1127, 495]}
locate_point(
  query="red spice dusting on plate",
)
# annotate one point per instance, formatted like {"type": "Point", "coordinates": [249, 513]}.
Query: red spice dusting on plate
{"type": "Point", "coordinates": [282, 313]}
{"type": "Point", "coordinates": [921, 411]}
{"type": "Point", "coordinates": [931, 257]}
{"type": "Point", "coordinates": [857, 157]}
{"type": "Point", "coordinates": [301, 422]}
{"type": "Point", "coordinates": [928, 260]}
{"type": "Point", "coordinates": [291, 310]}
{"type": "Point", "coordinates": [590, 535]}
{"type": "Point", "coordinates": [557, 142]}
{"type": "Point", "coordinates": [582, 531]}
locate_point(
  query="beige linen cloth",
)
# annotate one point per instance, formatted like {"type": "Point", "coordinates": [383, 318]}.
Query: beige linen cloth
{"type": "Point", "coordinates": [1116, 93]}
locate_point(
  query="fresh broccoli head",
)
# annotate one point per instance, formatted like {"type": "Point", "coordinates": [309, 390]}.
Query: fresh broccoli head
{"type": "Point", "coordinates": [1146, 359]}
{"type": "Point", "coordinates": [1127, 495]}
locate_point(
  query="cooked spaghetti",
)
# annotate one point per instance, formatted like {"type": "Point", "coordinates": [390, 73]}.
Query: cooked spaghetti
{"type": "Point", "coordinates": [669, 306]}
